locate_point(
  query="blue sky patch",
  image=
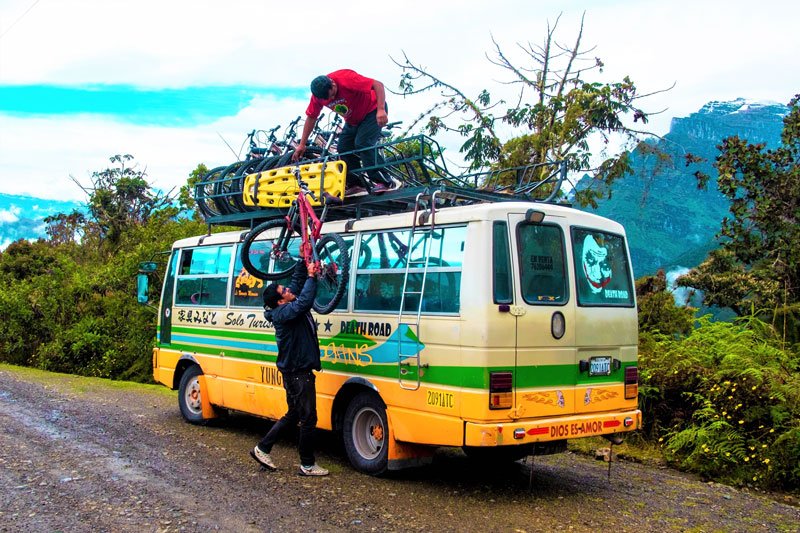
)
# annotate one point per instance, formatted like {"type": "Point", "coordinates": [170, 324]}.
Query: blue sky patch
{"type": "Point", "coordinates": [164, 107]}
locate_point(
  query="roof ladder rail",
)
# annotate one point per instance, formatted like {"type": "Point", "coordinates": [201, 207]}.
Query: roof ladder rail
{"type": "Point", "coordinates": [408, 343]}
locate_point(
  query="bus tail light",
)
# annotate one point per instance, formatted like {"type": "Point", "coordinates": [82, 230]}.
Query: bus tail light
{"type": "Point", "coordinates": [631, 382]}
{"type": "Point", "coordinates": [500, 387]}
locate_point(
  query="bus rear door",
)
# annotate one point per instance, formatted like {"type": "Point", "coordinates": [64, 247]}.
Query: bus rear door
{"type": "Point", "coordinates": [546, 366]}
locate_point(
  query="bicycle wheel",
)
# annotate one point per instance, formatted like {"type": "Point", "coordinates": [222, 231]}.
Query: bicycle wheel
{"type": "Point", "coordinates": [281, 255]}
{"type": "Point", "coordinates": [334, 272]}
{"type": "Point", "coordinates": [397, 168]}
{"type": "Point", "coordinates": [268, 163]}
{"type": "Point", "coordinates": [237, 185]}
{"type": "Point", "coordinates": [223, 188]}
{"type": "Point", "coordinates": [204, 193]}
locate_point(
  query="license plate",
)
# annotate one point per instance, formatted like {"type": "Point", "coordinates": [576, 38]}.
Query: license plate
{"type": "Point", "coordinates": [600, 366]}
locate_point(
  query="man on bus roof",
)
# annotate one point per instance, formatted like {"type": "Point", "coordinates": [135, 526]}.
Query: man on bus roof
{"type": "Point", "coordinates": [289, 310]}
{"type": "Point", "coordinates": [362, 103]}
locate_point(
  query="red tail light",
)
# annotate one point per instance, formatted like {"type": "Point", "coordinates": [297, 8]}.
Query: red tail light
{"type": "Point", "coordinates": [631, 382]}
{"type": "Point", "coordinates": [501, 385]}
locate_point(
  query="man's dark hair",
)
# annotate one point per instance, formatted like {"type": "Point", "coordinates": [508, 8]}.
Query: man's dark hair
{"type": "Point", "coordinates": [271, 296]}
{"type": "Point", "coordinates": [320, 86]}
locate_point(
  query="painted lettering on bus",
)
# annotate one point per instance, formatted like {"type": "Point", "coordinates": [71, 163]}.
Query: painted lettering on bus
{"type": "Point", "coordinates": [371, 329]}
{"type": "Point", "coordinates": [251, 320]}
{"type": "Point", "coordinates": [352, 355]}
{"type": "Point", "coordinates": [197, 316]}
{"type": "Point", "coordinates": [271, 375]}
{"type": "Point", "coordinates": [577, 429]}
{"type": "Point", "coordinates": [437, 398]}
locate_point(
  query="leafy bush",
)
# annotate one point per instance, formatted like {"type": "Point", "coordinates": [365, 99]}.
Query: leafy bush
{"type": "Point", "coordinates": [69, 304]}
{"type": "Point", "coordinates": [725, 402]}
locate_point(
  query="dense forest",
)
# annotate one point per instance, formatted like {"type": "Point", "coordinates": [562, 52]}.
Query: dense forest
{"type": "Point", "coordinates": [719, 398]}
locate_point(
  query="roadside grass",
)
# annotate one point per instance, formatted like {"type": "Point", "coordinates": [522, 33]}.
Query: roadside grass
{"type": "Point", "coordinates": [82, 384]}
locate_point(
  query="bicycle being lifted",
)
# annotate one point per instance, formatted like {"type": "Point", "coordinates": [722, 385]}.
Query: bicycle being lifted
{"type": "Point", "coordinates": [300, 237]}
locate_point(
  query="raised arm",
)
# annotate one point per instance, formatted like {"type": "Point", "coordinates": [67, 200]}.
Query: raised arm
{"type": "Point", "coordinates": [380, 97]}
{"type": "Point", "coordinates": [308, 127]}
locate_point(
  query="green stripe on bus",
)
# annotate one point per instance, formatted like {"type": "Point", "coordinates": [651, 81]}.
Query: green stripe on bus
{"type": "Point", "coordinates": [454, 376]}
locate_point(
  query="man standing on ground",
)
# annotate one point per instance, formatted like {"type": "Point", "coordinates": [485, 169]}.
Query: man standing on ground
{"type": "Point", "coordinates": [298, 357]}
{"type": "Point", "coordinates": [362, 103]}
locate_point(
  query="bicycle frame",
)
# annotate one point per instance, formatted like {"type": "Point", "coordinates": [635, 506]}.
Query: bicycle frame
{"type": "Point", "coordinates": [301, 212]}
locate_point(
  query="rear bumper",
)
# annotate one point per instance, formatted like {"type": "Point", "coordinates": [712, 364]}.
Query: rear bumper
{"type": "Point", "coordinates": [547, 429]}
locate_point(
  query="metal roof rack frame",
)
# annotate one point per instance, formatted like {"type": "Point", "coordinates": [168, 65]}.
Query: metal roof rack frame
{"type": "Point", "coordinates": [417, 162]}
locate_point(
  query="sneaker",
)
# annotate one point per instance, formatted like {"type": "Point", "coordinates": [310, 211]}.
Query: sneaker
{"type": "Point", "coordinates": [263, 459]}
{"type": "Point", "coordinates": [396, 184]}
{"type": "Point", "coordinates": [355, 191]}
{"type": "Point", "coordinates": [313, 470]}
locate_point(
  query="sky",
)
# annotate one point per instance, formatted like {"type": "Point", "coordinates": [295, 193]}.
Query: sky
{"type": "Point", "coordinates": [176, 83]}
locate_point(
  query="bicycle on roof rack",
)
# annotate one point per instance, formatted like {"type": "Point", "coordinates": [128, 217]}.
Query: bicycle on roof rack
{"type": "Point", "coordinates": [329, 251]}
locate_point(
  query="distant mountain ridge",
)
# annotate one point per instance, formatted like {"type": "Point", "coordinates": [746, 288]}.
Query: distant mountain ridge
{"type": "Point", "coordinates": [669, 222]}
{"type": "Point", "coordinates": [22, 217]}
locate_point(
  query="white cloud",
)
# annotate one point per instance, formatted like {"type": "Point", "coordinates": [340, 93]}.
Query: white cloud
{"type": "Point", "coordinates": [712, 50]}
{"type": "Point", "coordinates": [9, 215]}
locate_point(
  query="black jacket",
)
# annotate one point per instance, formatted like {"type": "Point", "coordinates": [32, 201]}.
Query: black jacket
{"type": "Point", "coordinates": [295, 329]}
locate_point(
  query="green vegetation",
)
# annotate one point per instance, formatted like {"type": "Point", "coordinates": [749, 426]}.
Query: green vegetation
{"type": "Point", "coordinates": [724, 402]}
{"type": "Point", "coordinates": [757, 267]}
{"type": "Point", "coordinates": [68, 301]}
{"type": "Point", "coordinates": [723, 398]}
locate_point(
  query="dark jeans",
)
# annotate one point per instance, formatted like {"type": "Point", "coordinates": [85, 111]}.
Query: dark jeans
{"type": "Point", "coordinates": [301, 396]}
{"type": "Point", "coordinates": [366, 134]}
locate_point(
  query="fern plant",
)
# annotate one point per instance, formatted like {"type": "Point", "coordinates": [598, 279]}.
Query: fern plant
{"type": "Point", "coordinates": [725, 402]}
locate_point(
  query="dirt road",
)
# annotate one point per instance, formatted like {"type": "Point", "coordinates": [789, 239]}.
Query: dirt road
{"type": "Point", "coordinates": [80, 454]}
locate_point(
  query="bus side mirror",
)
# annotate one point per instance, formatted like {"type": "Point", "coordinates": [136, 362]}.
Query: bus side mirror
{"type": "Point", "coordinates": [143, 281]}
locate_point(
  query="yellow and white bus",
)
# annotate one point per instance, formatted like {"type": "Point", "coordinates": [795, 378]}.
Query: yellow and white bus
{"type": "Point", "coordinates": [523, 335]}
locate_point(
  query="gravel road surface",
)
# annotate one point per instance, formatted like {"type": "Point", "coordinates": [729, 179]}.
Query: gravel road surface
{"type": "Point", "coordinates": [80, 454]}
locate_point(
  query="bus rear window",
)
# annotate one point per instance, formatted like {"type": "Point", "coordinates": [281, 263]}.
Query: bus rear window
{"type": "Point", "coordinates": [542, 260]}
{"type": "Point", "coordinates": [601, 268]}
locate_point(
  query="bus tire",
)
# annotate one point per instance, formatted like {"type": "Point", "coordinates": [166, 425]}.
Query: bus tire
{"type": "Point", "coordinates": [190, 395]}
{"type": "Point", "coordinates": [366, 434]}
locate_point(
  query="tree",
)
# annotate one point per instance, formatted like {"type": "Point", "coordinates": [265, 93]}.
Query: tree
{"type": "Point", "coordinates": [758, 265]}
{"type": "Point", "coordinates": [64, 228]}
{"type": "Point", "coordinates": [186, 194]}
{"type": "Point", "coordinates": [119, 198]}
{"type": "Point", "coordinates": [558, 110]}
{"type": "Point", "coordinates": [657, 309]}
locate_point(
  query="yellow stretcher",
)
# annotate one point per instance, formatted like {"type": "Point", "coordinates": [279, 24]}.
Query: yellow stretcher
{"type": "Point", "coordinates": [278, 187]}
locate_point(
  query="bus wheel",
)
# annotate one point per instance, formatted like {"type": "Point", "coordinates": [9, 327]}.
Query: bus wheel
{"type": "Point", "coordinates": [366, 434]}
{"type": "Point", "coordinates": [190, 395]}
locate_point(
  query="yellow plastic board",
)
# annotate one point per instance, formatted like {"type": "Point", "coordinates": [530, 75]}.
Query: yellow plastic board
{"type": "Point", "coordinates": [278, 187]}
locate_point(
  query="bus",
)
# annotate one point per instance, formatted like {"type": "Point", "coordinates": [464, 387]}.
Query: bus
{"type": "Point", "coordinates": [518, 331]}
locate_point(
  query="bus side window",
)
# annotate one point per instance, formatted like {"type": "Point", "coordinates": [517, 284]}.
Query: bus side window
{"type": "Point", "coordinates": [501, 258]}
{"type": "Point", "coordinates": [382, 267]}
{"type": "Point", "coordinates": [203, 277]}
{"type": "Point", "coordinates": [247, 289]}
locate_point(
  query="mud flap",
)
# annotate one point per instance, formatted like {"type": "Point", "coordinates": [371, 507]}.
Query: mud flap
{"type": "Point", "coordinates": [208, 409]}
{"type": "Point", "coordinates": [405, 455]}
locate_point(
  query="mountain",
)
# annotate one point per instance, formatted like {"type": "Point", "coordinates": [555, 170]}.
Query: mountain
{"type": "Point", "coordinates": [669, 222]}
{"type": "Point", "coordinates": [22, 217]}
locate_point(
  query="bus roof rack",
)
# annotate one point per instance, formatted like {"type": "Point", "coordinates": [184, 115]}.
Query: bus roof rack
{"type": "Point", "coordinates": [415, 161]}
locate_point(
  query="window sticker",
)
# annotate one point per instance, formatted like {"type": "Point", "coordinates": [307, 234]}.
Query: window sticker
{"type": "Point", "coordinates": [601, 268]}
